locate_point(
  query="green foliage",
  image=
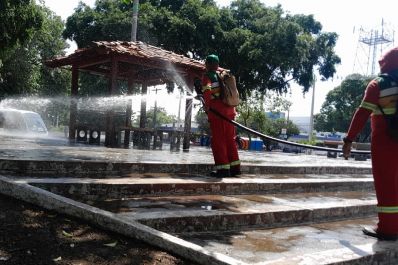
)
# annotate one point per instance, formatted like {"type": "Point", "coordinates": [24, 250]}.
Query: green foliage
{"type": "Point", "coordinates": [107, 21]}
{"type": "Point", "coordinates": [340, 105]}
{"type": "Point", "coordinates": [264, 47]}
{"type": "Point", "coordinates": [313, 141]}
{"type": "Point", "coordinates": [277, 126]}
{"type": "Point", "coordinates": [162, 117]}
{"type": "Point", "coordinates": [203, 124]}
{"type": "Point", "coordinates": [23, 71]}
{"type": "Point", "coordinates": [19, 19]}
{"type": "Point", "coordinates": [252, 114]}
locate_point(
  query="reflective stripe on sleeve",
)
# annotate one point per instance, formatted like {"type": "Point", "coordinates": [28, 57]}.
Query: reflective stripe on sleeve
{"type": "Point", "coordinates": [369, 106]}
{"type": "Point", "coordinates": [204, 88]}
{"type": "Point", "coordinates": [387, 111]}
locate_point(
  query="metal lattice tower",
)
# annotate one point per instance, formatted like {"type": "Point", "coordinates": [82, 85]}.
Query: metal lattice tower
{"type": "Point", "coordinates": [371, 45]}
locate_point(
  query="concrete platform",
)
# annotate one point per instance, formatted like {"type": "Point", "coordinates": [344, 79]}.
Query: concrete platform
{"type": "Point", "coordinates": [326, 243]}
{"type": "Point", "coordinates": [282, 211]}
{"type": "Point", "coordinates": [59, 149]}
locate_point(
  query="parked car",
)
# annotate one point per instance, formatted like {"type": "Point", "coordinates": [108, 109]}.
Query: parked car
{"type": "Point", "coordinates": [22, 121]}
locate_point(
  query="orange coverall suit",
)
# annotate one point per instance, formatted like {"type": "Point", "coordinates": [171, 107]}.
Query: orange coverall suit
{"type": "Point", "coordinates": [223, 145]}
{"type": "Point", "coordinates": [383, 92]}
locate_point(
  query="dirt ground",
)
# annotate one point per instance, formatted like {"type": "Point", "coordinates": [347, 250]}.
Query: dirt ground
{"type": "Point", "coordinates": [30, 235]}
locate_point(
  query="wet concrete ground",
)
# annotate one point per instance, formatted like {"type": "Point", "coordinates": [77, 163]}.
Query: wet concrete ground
{"type": "Point", "coordinates": [233, 204]}
{"type": "Point", "coordinates": [232, 221]}
{"type": "Point", "coordinates": [59, 149]}
{"type": "Point", "coordinates": [315, 244]}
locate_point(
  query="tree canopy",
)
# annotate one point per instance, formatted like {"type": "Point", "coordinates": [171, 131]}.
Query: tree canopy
{"type": "Point", "coordinates": [19, 19]}
{"type": "Point", "coordinates": [340, 105]}
{"type": "Point", "coordinates": [252, 114]}
{"type": "Point", "coordinates": [23, 72]}
{"type": "Point", "coordinates": [264, 47]}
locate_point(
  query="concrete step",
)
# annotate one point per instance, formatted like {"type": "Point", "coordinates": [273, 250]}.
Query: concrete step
{"type": "Point", "coordinates": [103, 169]}
{"type": "Point", "coordinates": [185, 214]}
{"type": "Point", "coordinates": [168, 184]}
{"type": "Point", "coordinates": [299, 231]}
{"type": "Point", "coordinates": [340, 242]}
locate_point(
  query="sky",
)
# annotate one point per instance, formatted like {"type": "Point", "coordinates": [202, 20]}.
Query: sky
{"type": "Point", "coordinates": [350, 19]}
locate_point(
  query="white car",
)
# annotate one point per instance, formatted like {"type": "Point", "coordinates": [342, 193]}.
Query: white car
{"type": "Point", "coordinates": [22, 122]}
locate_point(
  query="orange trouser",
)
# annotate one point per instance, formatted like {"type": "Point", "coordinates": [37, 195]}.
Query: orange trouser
{"type": "Point", "coordinates": [223, 144]}
{"type": "Point", "coordinates": [385, 174]}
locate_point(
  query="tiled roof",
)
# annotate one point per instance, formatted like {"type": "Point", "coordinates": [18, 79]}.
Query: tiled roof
{"type": "Point", "coordinates": [135, 51]}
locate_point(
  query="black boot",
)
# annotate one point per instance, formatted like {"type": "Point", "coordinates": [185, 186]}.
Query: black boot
{"type": "Point", "coordinates": [220, 173]}
{"type": "Point", "coordinates": [235, 171]}
{"type": "Point", "coordinates": [373, 232]}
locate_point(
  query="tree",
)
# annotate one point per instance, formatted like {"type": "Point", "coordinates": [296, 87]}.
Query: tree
{"type": "Point", "coordinates": [270, 49]}
{"type": "Point", "coordinates": [277, 125]}
{"type": "Point", "coordinates": [264, 48]}
{"type": "Point", "coordinates": [19, 19]}
{"type": "Point", "coordinates": [252, 114]}
{"type": "Point", "coordinates": [23, 71]}
{"type": "Point", "coordinates": [162, 117]}
{"type": "Point", "coordinates": [203, 124]}
{"type": "Point", "coordinates": [340, 104]}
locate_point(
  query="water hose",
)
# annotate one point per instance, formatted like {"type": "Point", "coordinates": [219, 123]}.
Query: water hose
{"type": "Point", "coordinates": [264, 136]}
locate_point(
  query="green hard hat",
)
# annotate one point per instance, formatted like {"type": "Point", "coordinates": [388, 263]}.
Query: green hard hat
{"type": "Point", "coordinates": [212, 58]}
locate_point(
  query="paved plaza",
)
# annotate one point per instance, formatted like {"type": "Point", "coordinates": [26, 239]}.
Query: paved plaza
{"type": "Point", "coordinates": [59, 148]}
{"type": "Point", "coordinates": [285, 209]}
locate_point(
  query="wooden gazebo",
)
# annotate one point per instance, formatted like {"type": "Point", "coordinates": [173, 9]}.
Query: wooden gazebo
{"type": "Point", "coordinates": [135, 62]}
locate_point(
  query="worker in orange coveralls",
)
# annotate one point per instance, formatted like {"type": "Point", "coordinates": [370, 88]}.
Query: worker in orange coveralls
{"type": "Point", "coordinates": [223, 145]}
{"type": "Point", "coordinates": [380, 100]}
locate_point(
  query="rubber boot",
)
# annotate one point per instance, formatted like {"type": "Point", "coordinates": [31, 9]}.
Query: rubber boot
{"type": "Point", "coordinates": [220, 173]}
{"type": "Point", "coordinates": [235, 171]}
{"type": "Point", "coordinates": [374, 233]}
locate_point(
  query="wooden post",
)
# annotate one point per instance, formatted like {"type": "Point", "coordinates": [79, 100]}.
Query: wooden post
{"type": "Point", "coordinates": [144, 92]}
{"type": "Point", "coordinates": [187, 123]}
{"type": "Point", "coordinates": [110, 135]}
{"type": "Point", "coordinates": [128, 113]}
{"type": "Point", "coordinates": [73, 103]}
{"type": "Point", "coordinates": [188, 113]}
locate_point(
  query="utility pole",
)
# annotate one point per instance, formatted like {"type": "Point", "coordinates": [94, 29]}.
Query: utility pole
{"type": "Point", "coordinates": [134, 20]}
{"type": "Point", "coordinates": [310, 136]}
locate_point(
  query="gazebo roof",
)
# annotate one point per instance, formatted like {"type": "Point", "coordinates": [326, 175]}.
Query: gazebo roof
{"type": "Point", "coordinates": [136, 61]}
